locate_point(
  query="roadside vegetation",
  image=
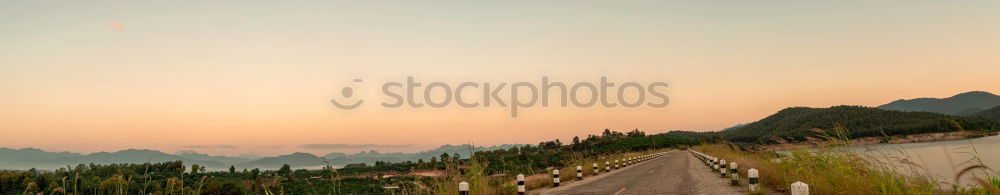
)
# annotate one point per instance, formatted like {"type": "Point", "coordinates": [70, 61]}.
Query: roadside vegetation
{"type": "Point", "coordinates": [834, 167]}
{"type": "Point", "coordinates": [829, 167]}
{"type": "Point", "coordinates": [488, 172]}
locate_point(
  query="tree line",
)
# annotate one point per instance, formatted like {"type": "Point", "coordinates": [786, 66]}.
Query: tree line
{"type": "Point", "coordinates": [177, 178]}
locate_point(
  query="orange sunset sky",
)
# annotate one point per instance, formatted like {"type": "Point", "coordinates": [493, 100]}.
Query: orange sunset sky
{"type": "Point", "coordinates": [256, 77]}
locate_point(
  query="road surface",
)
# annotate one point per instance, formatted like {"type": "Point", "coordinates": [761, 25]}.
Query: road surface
{"type": "Point", "coordinates": [678, 172]}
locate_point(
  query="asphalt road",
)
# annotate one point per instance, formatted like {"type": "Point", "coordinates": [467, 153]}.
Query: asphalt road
{"type": "Point", "coordinates": [679, 172]}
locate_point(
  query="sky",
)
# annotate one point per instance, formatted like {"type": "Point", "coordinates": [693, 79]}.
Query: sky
{"type": "Point", "coordinates": [256, 77]}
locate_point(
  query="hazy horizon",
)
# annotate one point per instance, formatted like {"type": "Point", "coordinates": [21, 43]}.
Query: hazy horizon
{"type": "Point", "coordinates": [236, 77]}
{"type": "Point", "coordinates": [257, 156]}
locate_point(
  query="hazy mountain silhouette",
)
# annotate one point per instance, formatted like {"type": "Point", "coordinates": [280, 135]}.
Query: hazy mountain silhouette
{"type": "Point", "coordinates": [231, 160]}
{"type": "Point", "coordinates": [306, 160]}
{"type": "Point", "coordinates": [959, 105]}
{"type": "Point", "coordinates": [26, 158]}
{"type": "Point", "coordinates": [296, 160]}
{"type": "Point", "coordinates": [34, 158]}
{"type": "Point", "coordinates": [340, 159]}
{"type": "Point", "coordinates": [23, 158]}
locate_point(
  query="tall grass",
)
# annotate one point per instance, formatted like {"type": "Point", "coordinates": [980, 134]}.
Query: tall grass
{"type": "Point", "coordinates": [834, 167]}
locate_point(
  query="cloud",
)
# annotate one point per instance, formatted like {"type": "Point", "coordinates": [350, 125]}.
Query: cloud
{"type": "Point", "coordinates": [272, 147]}
{"type": "Point", "coordinates": [116, 25]}
{"type": "Point", "coordinates": [215, 146]}
{"type": "Point", "coordinates": [350, 146]}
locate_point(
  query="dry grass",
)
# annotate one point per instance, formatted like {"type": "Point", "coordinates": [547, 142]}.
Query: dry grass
{"type": "Point", "coordinates": [836, 167]}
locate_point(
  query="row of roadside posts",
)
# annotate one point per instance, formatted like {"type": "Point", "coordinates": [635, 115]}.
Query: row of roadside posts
{"type": "Point", "coordinates": [463, 187]}
{"type": "Point", "coordinates": [753, 184]}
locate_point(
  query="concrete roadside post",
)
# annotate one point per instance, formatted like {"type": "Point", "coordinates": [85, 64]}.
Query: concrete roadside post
{"type": "Point", "coordinates": [520, 184]}
{"type": "Point", "coordinates": [463, 188]}
{"type": "Point", "coordinates": [734, 174]}
{"type": "Point", "coordinates": [555, 178]}
{"type": "Point", "coordinates": [715, 165]}
{"type": "Point", "coordinates": [799, 188]}
{"type": "Point", "coordinates": [579, 172]}
{"type": "Point", "coordinates": [722, 168]}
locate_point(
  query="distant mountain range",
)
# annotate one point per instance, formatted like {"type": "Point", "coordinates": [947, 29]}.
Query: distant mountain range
{"type": "Point", "coordinates": [364, 157]}
{"type": "Point", "coordinates": [959, 105]}
{"type": "Point", "coordinates": [34, 158]}
{"type": "Point", "coordinates": [26, 158]}
{"type": "Point", "coordinates": [306, 160]}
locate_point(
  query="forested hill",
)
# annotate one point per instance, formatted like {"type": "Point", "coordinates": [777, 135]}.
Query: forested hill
{"type": "Point", "coordinates": [993, 113]}
{"type": "Point", "coordinates": [794, 124]}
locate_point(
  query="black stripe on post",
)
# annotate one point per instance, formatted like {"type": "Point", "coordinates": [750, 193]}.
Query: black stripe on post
{"type": "Point", "coordinates": [722, 169]}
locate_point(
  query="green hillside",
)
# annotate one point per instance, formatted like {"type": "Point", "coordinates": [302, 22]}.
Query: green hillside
{"type": "Point", "coordinates": [993, 113]}
{"type": "Point", "coordinates": [794, 124]}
